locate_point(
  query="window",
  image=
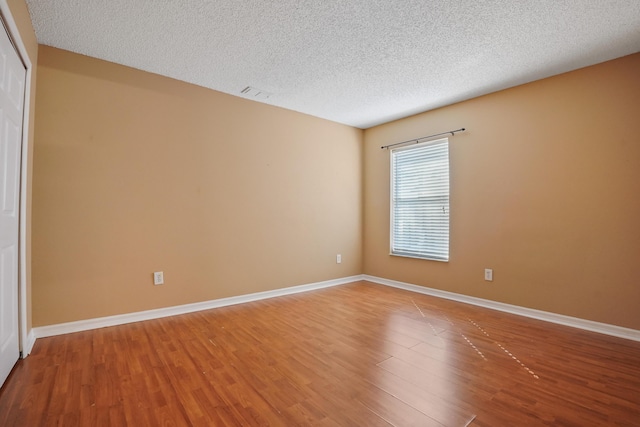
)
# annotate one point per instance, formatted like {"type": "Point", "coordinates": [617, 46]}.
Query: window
{"type": "Point", "coordinates": [420, 200]}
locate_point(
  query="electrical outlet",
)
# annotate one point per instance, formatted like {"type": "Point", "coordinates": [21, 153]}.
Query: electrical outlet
{"type": "Point", "coordinates": [488, 275]}
{"type": "Point", "coordinates": [158, 278]}
{"type": "Point", "coordinates": [338, 259]}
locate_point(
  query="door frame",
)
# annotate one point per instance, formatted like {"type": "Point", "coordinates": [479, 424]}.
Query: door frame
{"type": "Point", "coordinates": [27, 338]}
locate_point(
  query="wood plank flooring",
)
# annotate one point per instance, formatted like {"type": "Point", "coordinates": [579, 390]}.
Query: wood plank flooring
{"type": "Point", "coordinates": [354, 355]}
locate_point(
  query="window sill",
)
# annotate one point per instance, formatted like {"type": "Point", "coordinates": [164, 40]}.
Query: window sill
{"type": "Point", "coordinates": [418, 257]}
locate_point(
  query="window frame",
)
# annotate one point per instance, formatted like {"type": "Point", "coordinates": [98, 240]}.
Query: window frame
{"type": "Point", "coordinates": [392, 202]}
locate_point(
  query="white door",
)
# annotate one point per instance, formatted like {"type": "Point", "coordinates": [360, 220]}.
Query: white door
{"type": "Point", "coordinates": [12, 81]}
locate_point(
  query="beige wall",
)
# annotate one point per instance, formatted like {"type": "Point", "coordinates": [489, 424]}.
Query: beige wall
{"type": "Point", "coordinates": [545, 189]}
{"type": "Point", "coordinates": [135, 173]}
{"type": "Point", "coordinates": [20, 14]}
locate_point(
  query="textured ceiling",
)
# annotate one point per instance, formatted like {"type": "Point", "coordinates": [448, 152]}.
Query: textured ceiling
{"type": "Point", "coordinates": [358, 62]}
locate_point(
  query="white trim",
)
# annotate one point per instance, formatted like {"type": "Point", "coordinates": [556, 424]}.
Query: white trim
{"type": "Point", "coordinates": [14, 33]}
{"type": "Point", "coordinates": [102, 322]}
{"type": "Point", "coordinates": [29, 343]}
{"type": "Point", "coordinates": [574, 322]}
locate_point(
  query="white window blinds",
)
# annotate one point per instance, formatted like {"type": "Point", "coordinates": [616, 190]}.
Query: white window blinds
{"type": "Point", "coordinates": [420, 200]}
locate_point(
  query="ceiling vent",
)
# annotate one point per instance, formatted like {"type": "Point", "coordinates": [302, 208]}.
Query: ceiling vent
{"type": "Point", "coordinates": [252, 92]}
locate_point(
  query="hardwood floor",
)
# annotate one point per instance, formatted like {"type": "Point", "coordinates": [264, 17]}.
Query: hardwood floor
{"type": "Point", "coordinates": [354, 355]}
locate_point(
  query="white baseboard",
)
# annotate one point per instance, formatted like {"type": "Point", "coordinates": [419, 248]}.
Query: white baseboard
{"type": "Point", "coordinates": [102, 322]}
{"type": "Point", "coordinates": [589, 325]}
{"type": "Point", "coordinates": [121, 319]}
{"type": "Point", "coordinates": [28, 345]}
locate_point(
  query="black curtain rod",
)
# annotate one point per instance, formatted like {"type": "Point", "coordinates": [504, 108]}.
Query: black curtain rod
{"type": "Point", "coordinates": [416, 140]}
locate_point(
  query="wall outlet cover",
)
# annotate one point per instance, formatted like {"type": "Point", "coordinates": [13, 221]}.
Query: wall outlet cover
{"type": "Point", "coordinates": [158, 278]}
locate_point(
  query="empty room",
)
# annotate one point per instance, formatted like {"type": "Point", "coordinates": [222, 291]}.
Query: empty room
{"type": "Point", "coordinates": [335, 213]}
